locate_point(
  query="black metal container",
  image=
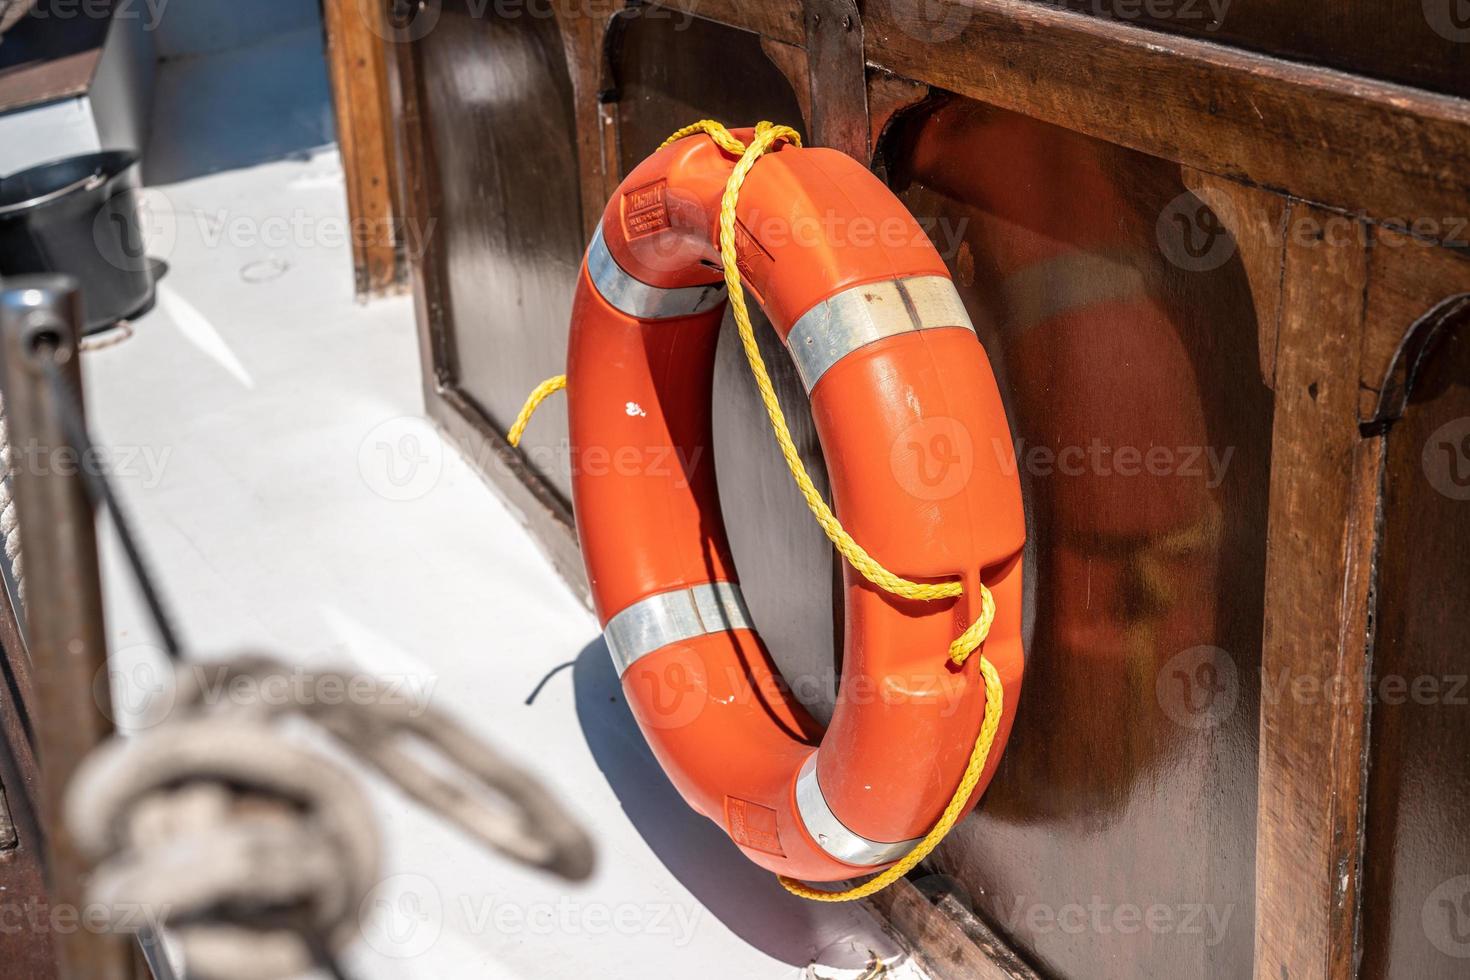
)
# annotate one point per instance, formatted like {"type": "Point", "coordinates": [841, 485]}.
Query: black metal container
{"type": "Point", "coordinates": [80, 216]}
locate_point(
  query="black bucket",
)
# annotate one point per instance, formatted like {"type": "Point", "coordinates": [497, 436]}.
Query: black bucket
{"type": "Point", "coordinates": [79, 216]}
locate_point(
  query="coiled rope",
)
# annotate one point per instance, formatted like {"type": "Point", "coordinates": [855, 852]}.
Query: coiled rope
{"type": "Point", "coordinates": [768, 135]}
{"type": "Point", "coordinates": [249, 848]}
{"type": "Point", "coordinates": [256, 849]}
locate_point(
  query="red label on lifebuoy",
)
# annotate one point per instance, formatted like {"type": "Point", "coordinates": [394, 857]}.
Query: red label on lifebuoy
{"type": "Point", "coordinates": [753, 825]}
{"type": "Point", "coordinates": [645, 210]}
{"type": "Point", "coordinates": [754, 262]}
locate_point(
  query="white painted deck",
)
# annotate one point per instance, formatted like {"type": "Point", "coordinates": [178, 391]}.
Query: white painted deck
{"type": "Point", "coordinates": [269, 442]}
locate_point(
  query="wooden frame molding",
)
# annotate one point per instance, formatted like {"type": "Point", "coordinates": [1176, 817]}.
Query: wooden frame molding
{"type": "Point", "coordinates": [1354, 317]}
{"type": "Point", "coordinates": [528, 495]}
{"type": "Point", "coordinates": [1325, 487]}
{"type": "Point", "coordinates": [1259, 221]}
{"type": "Point", "coordinates": [360, 95]}
{"type": "Point", "coordinates": [836, 77]}
{"type": "Point", "coordinates": [945, 938]}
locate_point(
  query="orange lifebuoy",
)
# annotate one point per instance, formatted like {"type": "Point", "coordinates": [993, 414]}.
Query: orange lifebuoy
{"type": "Point", "coordinates": [916, 439]}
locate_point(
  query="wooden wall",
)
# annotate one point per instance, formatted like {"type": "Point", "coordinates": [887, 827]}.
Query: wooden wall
{"type": "Point", "coordinates": [1208, 280]}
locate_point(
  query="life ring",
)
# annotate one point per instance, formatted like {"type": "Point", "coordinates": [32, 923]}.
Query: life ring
{"type": "Point", "coordinates": [917, 444]}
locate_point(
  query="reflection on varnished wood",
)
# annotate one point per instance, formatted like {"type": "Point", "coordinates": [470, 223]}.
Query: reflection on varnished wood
{"type": "Point", "coordinates": [1416, 894]}
{"type": "Point", "coordinates": [1120, 320]}
{"type": "Point", "coordinates": [499, 121]}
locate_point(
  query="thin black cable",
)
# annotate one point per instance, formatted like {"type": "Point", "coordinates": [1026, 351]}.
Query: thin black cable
{"type": "Point", "coordinates": [100, 490]}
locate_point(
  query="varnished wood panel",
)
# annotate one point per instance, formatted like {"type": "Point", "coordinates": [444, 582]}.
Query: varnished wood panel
{"type": "Point", "coordinates": [1416, 894]}
{"type": "Point", "coordinates": [785, 563]}
{"type": "Point", "coordinates": [505, 223]}
{"type": "Point", "coordinates": [665, 81]}
{"type": "Point", "coordinates": [1128, 788]}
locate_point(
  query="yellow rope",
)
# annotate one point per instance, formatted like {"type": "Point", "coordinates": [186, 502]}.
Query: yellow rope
{"type": "Point", "coordinates": [543, 391]}
{"type": "Point", "coordinates": [717, 132]}
{"type": "Point", "coordinates": [994, 704]}
{"type": "Point", "coordinates": [767, 135]}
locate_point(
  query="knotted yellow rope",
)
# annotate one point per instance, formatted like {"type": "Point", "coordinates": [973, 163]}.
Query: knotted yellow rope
{"type": "Point", "coordinates": [767, 135]}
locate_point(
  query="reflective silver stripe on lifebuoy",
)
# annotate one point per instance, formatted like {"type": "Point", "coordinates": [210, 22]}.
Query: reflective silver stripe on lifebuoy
{"type": "Point", "coordinates": [858, 316]}
{"type": "Point", "coordinates": [637, 298]}
{"type": "Point", "coordinates": [830, 833]}
{"type": "Point", "coordinates": [653, 623]}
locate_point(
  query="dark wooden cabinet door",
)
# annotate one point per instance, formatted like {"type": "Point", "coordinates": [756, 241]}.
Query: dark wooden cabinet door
{"type": "Point", "coordinates": [506, 231]}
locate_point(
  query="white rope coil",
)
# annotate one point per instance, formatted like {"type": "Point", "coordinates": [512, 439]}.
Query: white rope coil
{"type": "Point", "coordinates": [238, 841]}
{"type": "Point", "coordinates": [245, 844]}
{"type": "Point", "coordinates": [476, 788]}
{"type": "Point", "coordinates": [9, 519]}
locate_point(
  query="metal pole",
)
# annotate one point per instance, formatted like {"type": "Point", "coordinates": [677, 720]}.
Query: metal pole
{"type": "Point", "coordinates": [40, 319]}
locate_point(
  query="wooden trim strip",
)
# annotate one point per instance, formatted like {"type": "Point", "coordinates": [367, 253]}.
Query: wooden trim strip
{"type": "Point", "coordinates": [1325, 136]}
{"type": "Point", "coordinates": [358, 68]}
{"type": "Point", "coordinates": [946, 940]}
{"type": "Point", "coordinates": [836, 77]}
{"type": "Point", "coordinates": [1325, 480]}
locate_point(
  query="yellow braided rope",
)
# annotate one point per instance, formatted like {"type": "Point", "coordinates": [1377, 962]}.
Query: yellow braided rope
{"type": "Point", "coordinates": [716, 131]}
{"type": "Point", "coordinates": [542, 392]}
{"type": "Point", "coordinates": [766, 136]}
{"type": "Point", "coordinates": [994, 704]}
